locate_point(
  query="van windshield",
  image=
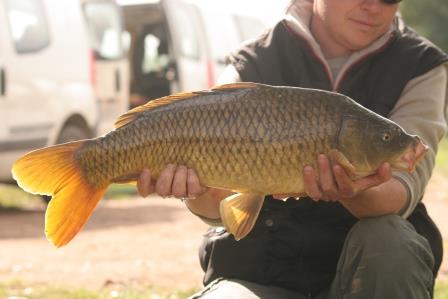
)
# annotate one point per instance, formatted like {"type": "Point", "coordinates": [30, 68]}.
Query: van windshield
{"type": "Point", "coordinates": [105, 29]}
{"type": "Point", "coordinates": [222, 34]}
{"type": "Point", "coordinates": [28, 25]}
{"type": "Point", "coordinates": [226, 32]}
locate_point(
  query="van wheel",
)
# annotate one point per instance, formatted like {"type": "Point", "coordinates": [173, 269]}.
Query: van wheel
{"type": "Point", "coordinates": [70, 132]}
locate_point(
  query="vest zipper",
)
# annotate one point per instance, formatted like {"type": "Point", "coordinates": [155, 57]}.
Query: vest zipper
{"type": "Point", "coordinates": [345, 70]}
{"type": "Point", "coordinates": [318, 57]}
{"type": "Point", "coordinates": [335, 86]}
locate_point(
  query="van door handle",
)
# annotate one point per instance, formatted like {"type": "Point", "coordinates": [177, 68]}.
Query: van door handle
{"type": "Point", "coordinates": [2, 82]}
{"type": "Point", "coordinates": [117, 80]}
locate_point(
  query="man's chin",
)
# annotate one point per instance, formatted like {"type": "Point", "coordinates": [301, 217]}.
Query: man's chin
{"type": "Point", "coordinates": [361, 40]}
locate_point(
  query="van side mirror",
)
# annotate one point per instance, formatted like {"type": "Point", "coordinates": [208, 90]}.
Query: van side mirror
{"type": "Point", "coordinates": [2, 82]}
{"type": "Point", "coordinates": [171, 72]}
{"type": "Point", "coordinates": [126, 41]}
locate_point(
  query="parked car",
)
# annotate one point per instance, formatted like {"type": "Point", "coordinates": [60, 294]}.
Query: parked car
{"type": "Point", "coordinates": [52, 59]}
{"type": "Point", "coordinates": [178, 45]}
{"type": "Point", "coordinates": [110, 67]}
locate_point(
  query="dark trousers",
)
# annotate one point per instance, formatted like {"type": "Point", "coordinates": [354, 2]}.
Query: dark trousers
{"type": "Point", "coordinates": [383, 257]}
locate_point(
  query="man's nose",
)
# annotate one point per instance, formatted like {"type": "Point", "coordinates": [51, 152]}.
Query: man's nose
{"type": "Point", "coordinates": [373, 6]}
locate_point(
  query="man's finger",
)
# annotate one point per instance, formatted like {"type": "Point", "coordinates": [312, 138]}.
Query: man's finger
{"type": "Point", "coordinates": [345, 184]}
{"type": "Point", "coordinates": [179, 186]}
{"type": "Point", "coordinates": [165, 180]}
{"type": "Point", "coordinates": [327, 181]}
{"type": "Point", "coordinates": [144, 184]}
{"type": "Point", "coordinates": [194, 187]}
{"type": "Point", "coordinates": [310, 180]}
{"type": "Point", "coordinates": [383, 174]}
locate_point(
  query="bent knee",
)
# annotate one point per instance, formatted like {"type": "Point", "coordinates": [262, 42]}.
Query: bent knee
{"type": "Point", "coordinates": [388, 230]}
{"type": "Point", "coordinates": [390, 235]}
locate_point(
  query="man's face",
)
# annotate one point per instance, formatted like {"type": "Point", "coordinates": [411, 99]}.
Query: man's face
{"type": "Point", "coordinates": [354, 24]}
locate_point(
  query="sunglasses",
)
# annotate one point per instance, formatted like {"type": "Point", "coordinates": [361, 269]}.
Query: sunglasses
{"type": "Point", "coordinates": [391, 1]}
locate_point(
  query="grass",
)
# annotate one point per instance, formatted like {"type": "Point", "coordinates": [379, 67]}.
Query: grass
{"type": "Point", "coordinates": [19, 290]}
{"type": "Point", "coordinates": [120, 191]}
{"type": "Point", "coordinates": [441, 291]}
{"type": "Point", "coordinates": [12, 197]}
{"type": "Point", "coordinates": [442, 157]}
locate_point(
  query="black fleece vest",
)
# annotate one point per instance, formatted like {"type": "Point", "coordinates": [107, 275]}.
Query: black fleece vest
{"type": "Point", "coordinates": [296, 244]}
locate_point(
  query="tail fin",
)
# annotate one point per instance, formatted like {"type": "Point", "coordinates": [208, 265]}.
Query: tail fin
{"type": "Point", "coordinates": [54, 171]}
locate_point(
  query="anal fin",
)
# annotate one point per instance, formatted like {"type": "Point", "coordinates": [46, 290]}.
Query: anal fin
{"type": "Point", "coordinates": [239, 212]}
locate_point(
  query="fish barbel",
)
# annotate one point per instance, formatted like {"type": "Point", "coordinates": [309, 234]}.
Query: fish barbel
{"type": "Point", "coordinates": [249, 138]}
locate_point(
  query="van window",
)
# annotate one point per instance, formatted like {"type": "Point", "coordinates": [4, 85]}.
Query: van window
{"type": "Point", "coordinates": [184, 19]}
{"type": "Point", "coordinates": [105, 29]}
{"type": "Point", "coordinates": [249, 27]}
{"type": "Point", "coordinates": [222, 34]}
{"type": "Point", "coordinates": [28, 25]}
{"type": "Point", "coordinates": [155, 56]}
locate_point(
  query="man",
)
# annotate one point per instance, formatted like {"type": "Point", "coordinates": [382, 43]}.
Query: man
{"type": "Point", "coordinates": [369, 238]}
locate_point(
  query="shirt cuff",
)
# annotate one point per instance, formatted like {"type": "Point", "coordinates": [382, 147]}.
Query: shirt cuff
{"type": "Point", "coordinates": [209, 221]}
{"type": "Point", "coordinates": [411, 201]}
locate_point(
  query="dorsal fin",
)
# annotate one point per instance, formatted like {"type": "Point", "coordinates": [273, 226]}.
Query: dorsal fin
{"type": "Point", "coordinates": [132, 114]}
{"type": "Point", "coordinates": [239, 85]}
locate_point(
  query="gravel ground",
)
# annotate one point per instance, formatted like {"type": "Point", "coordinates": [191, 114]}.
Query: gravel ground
{"type": "Point", "coordinates": [149, 241]}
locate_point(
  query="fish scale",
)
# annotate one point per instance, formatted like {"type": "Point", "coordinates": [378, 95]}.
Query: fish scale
{"type": "Point", "coordinates": [248, 138]}
{"type": "Point", "coordinates": [211, 126]}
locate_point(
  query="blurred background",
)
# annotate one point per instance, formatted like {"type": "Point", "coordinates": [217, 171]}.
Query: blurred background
{"type": "Point", "coordinates": [68, 69]}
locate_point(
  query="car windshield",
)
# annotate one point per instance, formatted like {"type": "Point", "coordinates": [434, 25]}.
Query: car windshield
{"type": "Point", "coordinates": [104, 26]}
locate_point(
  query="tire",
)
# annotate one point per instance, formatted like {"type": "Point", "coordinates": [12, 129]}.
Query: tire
{"type": "Point", "coordinates": [70, 132]}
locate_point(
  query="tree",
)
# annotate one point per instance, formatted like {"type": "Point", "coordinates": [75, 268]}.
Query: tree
{"type": "Point", "coordinates": [429, 18]}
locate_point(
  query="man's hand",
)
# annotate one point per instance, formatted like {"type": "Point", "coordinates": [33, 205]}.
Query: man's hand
{"type": "Point", "coordinates": [182, 182]}
{"type": "Point", "coordinates": [178, 181]}
{"type": "Point", "coordinates": [374, 195]}
{"type": "Point", "coordinates": [332, 183]}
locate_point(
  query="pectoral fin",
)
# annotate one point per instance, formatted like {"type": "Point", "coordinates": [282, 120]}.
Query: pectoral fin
{"type": "Point", "coordinates": [336, 157]}
{"type": "Point", "coordinates": [239, 213]}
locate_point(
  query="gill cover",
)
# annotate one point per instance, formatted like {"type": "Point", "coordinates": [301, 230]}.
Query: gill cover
{"type": "Point", "coordinates": [352, 146]}
{"type": "Point", "coordinates": [350, 134]}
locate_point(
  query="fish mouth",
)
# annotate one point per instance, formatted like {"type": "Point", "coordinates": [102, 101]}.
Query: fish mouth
{"type": "Point", "coordinates": [411, 156]}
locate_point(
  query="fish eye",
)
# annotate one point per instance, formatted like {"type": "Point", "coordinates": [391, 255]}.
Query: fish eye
{"type": "Point", "coordinates": [386, 137]}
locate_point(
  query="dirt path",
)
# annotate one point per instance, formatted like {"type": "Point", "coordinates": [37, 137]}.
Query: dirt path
{"type": "Point", "coordinates": [143, 241]}
{"type": "Point", "coordinates": [138, 241]}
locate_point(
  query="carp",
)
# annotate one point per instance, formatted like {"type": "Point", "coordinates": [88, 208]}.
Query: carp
{"type": "Point", "coordinates": [249, 138]}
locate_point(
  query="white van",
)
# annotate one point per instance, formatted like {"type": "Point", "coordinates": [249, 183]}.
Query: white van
{"type": "Point", "coordinates": [178, 45]}
{"type": "Point", "coordinates": [110, 67]}
{"type": "Point", "coordinates": [48, 76]}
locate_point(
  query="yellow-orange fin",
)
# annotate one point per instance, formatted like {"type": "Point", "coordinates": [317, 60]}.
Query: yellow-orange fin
{"type": "Point", "coordinates": [238, 85]}
{"type": "Point", "coordinates": [53, 171]}
{"type": "Point", "coordinates": [239, 212]}
{"type": "Point", "coordinates": [132, 114]}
